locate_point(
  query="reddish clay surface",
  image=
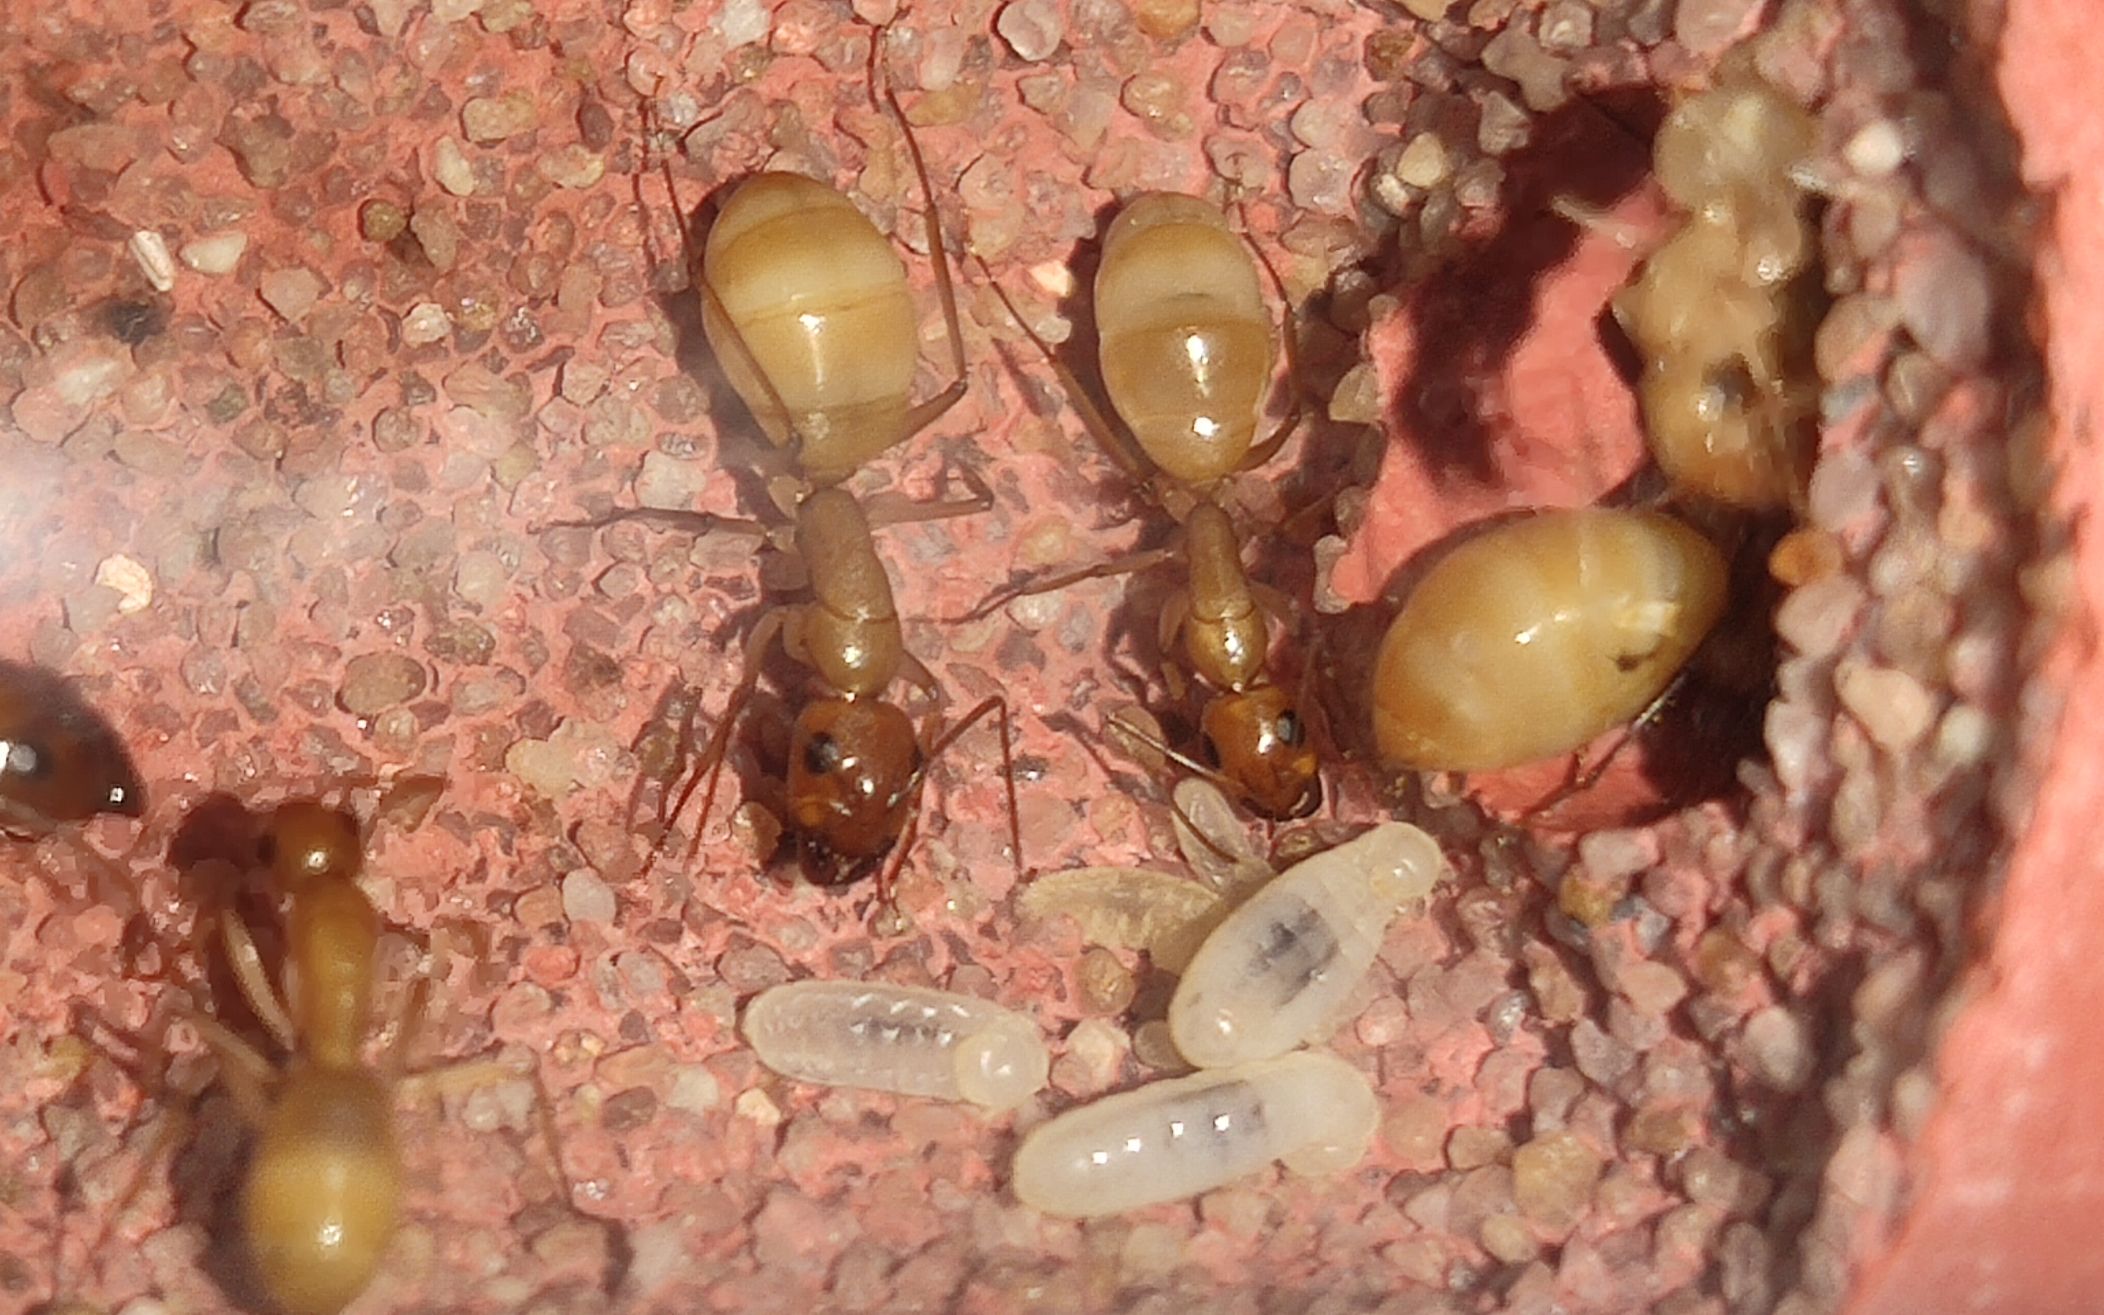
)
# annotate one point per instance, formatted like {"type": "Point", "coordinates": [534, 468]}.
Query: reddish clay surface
{"type": "Point", "coordinates": [2011, 1191]}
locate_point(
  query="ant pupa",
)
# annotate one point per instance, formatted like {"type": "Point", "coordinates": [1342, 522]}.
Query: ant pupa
{"type": "Point", "coordinates": [1173, 1139]}
{"type": "Point", "coordinates": [903, 1039]}
{"type": "Point", "coordinates": [1279, 967]}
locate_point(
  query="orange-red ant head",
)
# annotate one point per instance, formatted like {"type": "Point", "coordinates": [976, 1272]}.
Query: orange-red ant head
{"type": "Point", "coordinates": [852, 767]}
{"type": "Point", "coordinates": [59, 761]}
{"type": "Point", "coordinates": [307, 840]}
{"type": "Point", "coordinates": [1260, 743]}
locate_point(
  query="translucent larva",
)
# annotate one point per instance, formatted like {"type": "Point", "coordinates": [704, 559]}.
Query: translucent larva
{"type": "Point", "coordinates": [902, 1039]}
{"type": "Point", "coordinates": [1171, 1140]}
{"type": "Point", "coordinates": [1280, 966]}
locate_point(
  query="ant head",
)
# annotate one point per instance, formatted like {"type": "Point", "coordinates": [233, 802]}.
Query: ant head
{"type": "Point", "coordinates": [307, 840]}
{"type": "Point", "coordinates": [59, 762]}
{"type": "Point", "coordinates": [1260, 743]}
{"type": "Point", "coordinates": [852, 769]}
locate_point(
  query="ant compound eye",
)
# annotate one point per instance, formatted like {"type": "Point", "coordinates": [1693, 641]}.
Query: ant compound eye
{"type": "Point", "coordinates": [821, 755]}
{"type": "Point", "coordinates": [1288, 729]}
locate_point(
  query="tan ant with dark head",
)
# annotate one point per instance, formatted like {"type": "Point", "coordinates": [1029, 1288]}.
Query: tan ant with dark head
{"type": "Point", "coordinates": [807, 308]}
{"type": "Point", "coordinates": [1187, 351]}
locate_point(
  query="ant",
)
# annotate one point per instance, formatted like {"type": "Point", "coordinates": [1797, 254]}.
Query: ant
{"type": "Point", "coordinates": [807, 309]}
{"type": "Point", "coordinates": [1187, 350]}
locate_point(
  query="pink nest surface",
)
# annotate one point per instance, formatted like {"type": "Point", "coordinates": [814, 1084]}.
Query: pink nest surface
{"type": "Point", "coordinates": [288, 523]}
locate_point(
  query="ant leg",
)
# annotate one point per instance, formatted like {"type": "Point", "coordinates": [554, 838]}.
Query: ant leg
{"type": "Point", "coordinates": [397, 1061]}
{"type": "Point", "coordinates": [1583, 778]}
{"type": "Point", "coordinates": [1142, 735]}
{"type": "Point", "coordinates": [1176, 614]}
{"type": "Point", "coordinates": [1116, 442]}
{"type": "Point", "coordinates": [461, 1076]}
{"type": "Point", "coordinates": [660, 751]}
{"type": "Point", "coordinates": [1296, 380]}
{"type": "Point", "coordinates": [1129, 564]}
{"type": "Point", "coordinates": [887, 877]}
{"type": "Point", "coordinates": [697, 523]}
{"type": "Point", "coordinates": [915, 673]}
{"type": "Point", "coordinates": [245, 1074]}
{"type": "Point", "coordinates": [1602, 223]}
{"type": "Point", "coordinates": [249, 975]}
{"type": "Point", "coordinates": [893, 508]}
{"type": "Point", "coordinates": [928, 412]}
{"type": "Point", "coordinates": [710, 765]}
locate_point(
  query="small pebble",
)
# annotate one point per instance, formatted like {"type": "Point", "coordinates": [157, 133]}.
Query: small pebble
{"type": "Point", "coordinates": [1033, 29]}
{"type": "Point", "coordinates": [667, 483]}
{"type": "Point", "coordinates": [1165, 20]}
{"type": "Point", "coordinates": [375, 682]}
{"type": "Point", "coordinates": [216, 254]}
{"type": "Point", "coordinates": [695, 1090]}
{"type": "Point", "coordinates": [425, 323]}
{"type": "Point", "coordinates": [487, 119]}
{"type": "Point", "coordinates": [742, 23]}
{"type": "Point", "coordinates": [382, 221]}
{"type": "Point", "coordinates": [149, 251]}
{"type": "Point", "coordinates": [1778, 1049]}
{"type": "Point", "coordinates": [573, 166]}
{"type": "Point", "coordinates": [449, 165]}
{"type": "Point", "coordinates": [1424, 163]}
{"type": "Point", "coordinates": [291, 292]}
{"type": "Point", "coordinates": [1893, 707]}
{"type": "Point", "coordinates": [587, 898]}
{"type": "Point", "coordinates": [1877, 150]}
{"type": "Point", "coordinates": [1104, 984]}
{"type": "Point", "coordinates": [1553, 1178]}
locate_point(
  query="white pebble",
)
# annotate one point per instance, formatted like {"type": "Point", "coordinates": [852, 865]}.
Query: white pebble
{"type": "Point", "coordinates": [215, 255]}
{"type": "Point", "coordinates": [694, 1089]}
{"type": "Point", "coordinates": [586, 898]}
{"type": "Point", "coordinates": [1277, 970]}
{"type": "Point", "coordinates": [668, 483]}
{"type": "Point", "coordinates": [1175, 1139]}
{"type": "Point", "coordinates": [291, 292]}
{"type": "Point", "coordinates": [129, 580]}
{"type": "Point", "coordinates": [903, 1039]}
{"type": "Point", "coordinates": [1033, 29]}
{"type": "Point", "coordinates": [1894, 708]}
{"type": "Point", "coordinates": [1424, 162]}
{"type": "Point", "coordinates": [742, 23]}
{"type": "Point", "coordinates": [1877, 150]}
{"type": "Point", "coordinates": [426, 322]}
{"type": "Point", "coordinates": [150, 250]}
{"type": "Point", "coordinates": [449, 165]}
{"type": "Point", "coordinates": [1778, 1048]}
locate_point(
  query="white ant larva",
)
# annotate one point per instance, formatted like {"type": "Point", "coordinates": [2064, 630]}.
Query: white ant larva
{"type": "Point", "coordinates": [1170, 1140]}
{"type": "Point", "coordinates": [902, 1039]}
{"type": "Point", "coordinates": [1279, 967]}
